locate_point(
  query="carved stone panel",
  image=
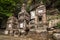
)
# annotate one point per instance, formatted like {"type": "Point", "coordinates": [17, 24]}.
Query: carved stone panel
{"type": "Point", "coordinates": [21, 25]}
{"type": "Point", "coordinates": [32, 14]}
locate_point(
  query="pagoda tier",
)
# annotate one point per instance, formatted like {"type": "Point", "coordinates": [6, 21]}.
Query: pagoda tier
{"type": "Point", "coordinates": [12, 21]}
{"type": "Point", "coordinates": [23, 16]}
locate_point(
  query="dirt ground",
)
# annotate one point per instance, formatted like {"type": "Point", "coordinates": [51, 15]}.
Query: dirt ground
{"type": "Point", "coordinates": [30, 36]}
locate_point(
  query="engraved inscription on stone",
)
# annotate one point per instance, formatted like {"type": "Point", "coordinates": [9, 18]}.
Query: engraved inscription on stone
{"type": "Point", "coordinates": [32, 14]}
{"type": "Point", "coordinates": [40, 11]}
{"type": "Point", "coordinates": [21, 25]}
{"type": "Point", "coordinates": [10, 25]}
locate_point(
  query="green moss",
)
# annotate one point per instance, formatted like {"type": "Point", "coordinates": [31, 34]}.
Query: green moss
{"type": "Point", "coordinates": [58, 25]}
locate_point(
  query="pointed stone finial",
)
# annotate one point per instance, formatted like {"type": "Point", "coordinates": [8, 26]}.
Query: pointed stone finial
{"type": "Point", "coordinates": [41, 2]}
{"type": "Point", "coordinates": [23, 7]}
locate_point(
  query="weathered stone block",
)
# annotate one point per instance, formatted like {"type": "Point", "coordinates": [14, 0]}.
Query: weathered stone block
{"type": "Point", "coordinates": [41, 29]}
{"type": "Point", "coordinates": [6, 32]}
{"type": "Point", "coordinates": [56, 36]}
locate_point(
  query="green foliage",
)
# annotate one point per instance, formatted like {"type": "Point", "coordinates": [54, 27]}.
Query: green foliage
{"type": "Point", "coordinates": [7, 6]}
{"type": "Point", "coordinates": [58, 25]}
{"type": "Point", "coordinates": [6, 9]}
{"type": "Point", "coordinates": [57, 4]}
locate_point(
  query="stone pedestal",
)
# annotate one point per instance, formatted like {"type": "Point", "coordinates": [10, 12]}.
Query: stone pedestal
{"type": "Point", "coordinates": [16, 33]}
{"type": "Point", "coordinates": [41, 29]}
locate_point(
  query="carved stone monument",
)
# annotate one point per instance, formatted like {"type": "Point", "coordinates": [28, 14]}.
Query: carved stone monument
{"type": "Point", "coordinates": [38, 19]}
{"type": "Point", "coordinates": [35, 21]}
{"type": "Point", "coordinates": [12, 25]}
{"type": "Point", "coordinates": [41, 17]}
{"type": "Point", "coordinates": [23, 19]}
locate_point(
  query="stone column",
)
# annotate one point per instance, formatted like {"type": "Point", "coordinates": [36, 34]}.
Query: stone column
{"type": "Point", "coordinates": [36, 21]}
{"type": "Point", "coordinates": [44, 16]}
